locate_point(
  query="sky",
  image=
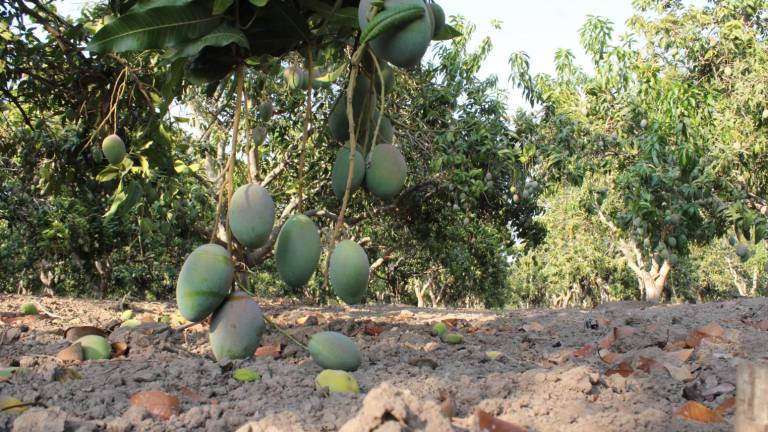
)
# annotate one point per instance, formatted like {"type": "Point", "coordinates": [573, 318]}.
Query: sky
{"type": "Point", "coordinates": [537, 27]}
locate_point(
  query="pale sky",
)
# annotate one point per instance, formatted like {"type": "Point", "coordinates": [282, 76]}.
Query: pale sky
{"type": "Point", "coordinates": [538, 28]}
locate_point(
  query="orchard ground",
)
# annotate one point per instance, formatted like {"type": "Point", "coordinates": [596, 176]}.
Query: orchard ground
{"type": "Point", "coordinates": [623, 366]}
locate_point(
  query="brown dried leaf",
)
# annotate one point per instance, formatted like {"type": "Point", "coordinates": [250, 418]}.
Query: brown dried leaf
{"type": "Point", "coordinates": [676, 345]}
{"type": "Point", "coordinates": [451, 322]}
{"type": "Point", "coordinates": [682, 373]}
{"type": "Point", "coordinates": [269, 351]}
{"type": "Point", "coordinates": [712, 330]}
{"type": "Point", "coordinates": [624, 369]}
{"type": "Point", "coordinates": [646, 364]}
{"type": "Point", "coordinates": [487, 422]}
{"type": "Point", "coordinates": [604, 322]}
{"type": "Point", "coordinates": [74, 333]}
{"type": "Point", "coordinates": [119, 349]}
{"type": "Point", "coordinates": [21, 319]}
{"type": "Point", "coordinates": [608, 340]}
{"type": "Point", "coordinates": [725, 406]}
{"type": "Point", "coordinates": [372, 329]}
{"type": "Point", "coordinates": [71, 353]}
{"type": "Point", "coordinates": [447, 403]}
{"type": "Point", "coordinates": [694, 411]}
{"type": "Point", "coordinates": [607, 356]}
{"type": "Point", "coordinates": [195, 396]}
{"type": "Point", "coordinates": [533, 327]}
{"type": "Point", "coordinates": [679, 356]}
{"type": "Point", "coordinates": [158, 404]}
{"type": "Point", "coordinates": [584, 351]}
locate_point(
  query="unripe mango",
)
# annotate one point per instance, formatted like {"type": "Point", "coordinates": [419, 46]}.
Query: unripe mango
{"type": "Point", "coordinates": [95, 347]}
{"type": "Point", "coordinates": [297, 250]}
{"type": "Point", "coordinates": [340, 172]}
{"type": "Point", "coordinates": [236, 327]}
{"type": "Point", "coordinates": [349, 271]}
{"type": "Point", "coordinates": [332, 350]}
{"type": "Point", "coordinates": [386, 172]}
{"type": "Point", "coordinates": [114, 149]}
{"type": "Point", "coordinates": [29, 309]}
{"type": "Point", "coordinates": [204, 281]}
{"type": "Point", "coordinates": [405, 45]}
{"type": "Point", "coordinates": [251, 215]}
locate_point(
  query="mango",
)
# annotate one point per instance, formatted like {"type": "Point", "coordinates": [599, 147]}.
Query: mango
{"type": "Point", "coordinates": [438, 16]}
{"type": "Point", "coordinates": [246, 375]}
{"type": "Point", "coordinates": [363, 103]}
{"type": "Point", "coordinates": [404, 45]}
{"type": "Point", "coordinates": [349, 271]}
{"type": "Point", "coordinates": [297, 250]}
{"type": "Point", "coordinates": [29, 309]}
{"type": "Point", "coordinates": [251, 215]}
{"type": "Point", "coordinates": [113, 148]}
{"type": "Point", "coordinates": [341, 170]}
{"type": "Point", "coordinates": [236, 327]}
{"type": "Point", "coordinates": [95, 347]}
{"type": "Point", "coordinates": [130, 323]}
{"type": "Point", "coordinates": [204, 281]}
{"type": "Point", "coordinates": [265, 111]}
{"type": "Point", "coordinates": [296, 77]}
{"type": "Point", "coordinates": [386, 171]}
{"type": "Point", "coordinates": [452, 338]}
{"type": "Point", "coordinates": [126, 315]}
{"type": "Point", "coordinates": [337, 381]}
{"type": "Point", "coordinates": [439, 328]}
{"type": "Point", "coordinates": [332, 350]}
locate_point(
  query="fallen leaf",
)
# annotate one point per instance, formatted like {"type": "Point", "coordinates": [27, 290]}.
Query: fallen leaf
{"type": "Point", "coordinates": [584, 351]}
{"type": "Point", "coordinates": [12, 405]}
{"type": "Point", "coordinates": [21, 319]}
{"type": "Point", "coordinates": [646, 364]}
{"type": "Point", "coordinates": [269, 351]}
{"type": "Point", "coordinates": [447, 403]}
{"type": "Point", "coordinates": [694, 411]}
{"type": "Point", "coordinates": [487, 422]}
{"type": "Point", "coordinates": [195, 396]}
{"type": "Point", "coordinates": [74, 333]}
{"type": "Point", "coordinates": [607, 356]}
{"type": "Point", "coordinates": [676, 345]}
{"type": "Point", "coordinates": [679, 356]}
{"type": "Point", "coordinates": [451, 322]}
{"type": "Point", "coordinates": [623, 331]}
{"type": "Point", "coordinates": [158, 404]}
{"type": "Point", "coordinates": [682, 373]}
{"type": "Point", "coordinates": [725, 406]}
{"type": "Point", "coordinates": [533, 327]}
{"type": "Point", "coordinates": [604, 322]}
{"type": "Point", "coordinates": [624, 369]}
{"type": "Point", "coordinates": [372, 329]}
{"type": "Point", "coordinates": [71, 353]}
{"type": "Point", "coordinates": [119, 349]}
{"type": "Point", "coordinates": [608, 340]}
{"type": "Point", "coordinates": [711, 332]}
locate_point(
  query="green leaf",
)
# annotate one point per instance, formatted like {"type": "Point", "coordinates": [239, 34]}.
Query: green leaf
{"type": "Point", "coordinates": [109, 173]}
{"type": "Point", "coordinates": [220, 6]}
{"type": "Point", "coordinates": [448, 32]}
{"type": "Point", "coordinates": [149, 4]}
{"type": "Point", "coordinates": [345, 17]}
{"type": "Point", "coordinates": [259, 3]}
{"type": "Point", "coordinates": [223, 35]}
{"type": "Point", "coordinates": [389, 19]}
{"type": "Point", "coordinates": [161, 27]}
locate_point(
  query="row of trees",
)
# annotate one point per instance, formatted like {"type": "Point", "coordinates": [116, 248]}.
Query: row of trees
{"type": "Point", "coordinates": [644, 178]}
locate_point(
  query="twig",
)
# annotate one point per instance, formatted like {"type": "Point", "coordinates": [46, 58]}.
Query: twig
{"type": "Point", "coordinates": [284, 333]}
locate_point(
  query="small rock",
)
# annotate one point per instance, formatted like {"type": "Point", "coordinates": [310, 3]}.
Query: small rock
{"type": "Point", "coordinates": [12, 334]}
{"type": "Point", "coordinates": [41, 420]}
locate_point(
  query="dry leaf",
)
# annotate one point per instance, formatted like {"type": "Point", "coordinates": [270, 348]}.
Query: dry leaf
{"type": "Point", "coordinates": [12, 405]}
{"type": "Point", "coordinates": [624, 369]}
{"type": "Point", "coordinates": [608, 340]}
{"type": "Point", "coordinates": [679, 356]}
{"type": "Point", "coordinates": [584, 351]}
{"type": "Point", "coordinates": [676, 345]}
{"type": "Point", "coordinates": [74, 333]}
{"type": "Point", "coordinates": [447, 403]}
{"type": "Point", "coordinates": [603, 322]}
{"type": "Point", "coordinates": [623, 331]}
{"type": "Point", "coordinates": [21, 319]}
{"type": "Point", "coordinates": [646, 364]}
{"type": "Point", "coordinates": [372, 329]}
{"type": "Point", "coordinates": [712, 330]}
{"type": "Point", "coordinates": [119, 349]}
{"type": "Point", "coordinates": [607, 356]}
{"type": "Point", "coordinates": [195, 396]}
{"type": "Point", "coordinates": [158, 404]}
{"type": "Point", "coordinates": [451, 322]}
{"type": "Point", "coordinates": [533, 327]}
{"type": "Point", "coordinates": [487, 422]}
{"type": "Point", "coordinates": [694, 411]}
{"type": "Point", "coordinates": [269, 351]}
{"type": "Point", "coordinates": [681, 373]}
{"type": "Point", "coordinates": [725, 406]}
{"type": "Point", "coordinates": [73, 352]}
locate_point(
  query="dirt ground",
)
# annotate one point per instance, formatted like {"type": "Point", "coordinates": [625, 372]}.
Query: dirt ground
{"type": "Point", "coordinates": [620, 367]}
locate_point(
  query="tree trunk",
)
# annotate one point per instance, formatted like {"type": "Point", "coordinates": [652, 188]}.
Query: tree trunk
{"type": "Point", "coordinates": [651, 279]}
{"type": "Point", "coordinates": [752, 398]}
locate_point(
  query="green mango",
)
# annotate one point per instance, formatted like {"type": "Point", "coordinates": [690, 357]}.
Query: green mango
{"type": "Point", "coordinates": [297, 250]}
{"type": "Point", "coordinates": [348, 271]}
{"type": "Point", "coordinates": [386, 172]}
{"type": "Point", "coordinates": [113, 148]}
{"type": "Point", "coordinates": [251, 215]}
{"type": "Point", "coordinates": [337, 381]}
{"type": "Point", "coordinates": [340, 171]}
{"type": "Point", "coordinates": [236, 327]}
{"type": "Point", "coordinates": [438, 15]}
{"type": "Point", "coordinates": [332, 350]}
{"type": "Point", "coordinates": [95, 347]}
{"type": "Point", "coordinates": [204, 281]}
{"type": "Point", "coordinates": [405, 45]}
